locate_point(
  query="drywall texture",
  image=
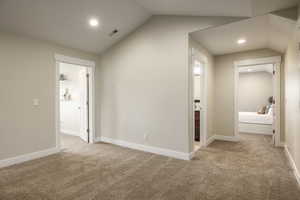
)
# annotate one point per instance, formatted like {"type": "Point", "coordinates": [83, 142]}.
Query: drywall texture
{"type": "Point", "coordinates": [292, 97]}
{"type": "Point", "coordinates": [254, 90]}
{"type": "Point", "coordinates": [224, 88]}
{"type": "Point", "coordinates": [27, 71]}
{"type": "Point", "coordinates": [143, 84]}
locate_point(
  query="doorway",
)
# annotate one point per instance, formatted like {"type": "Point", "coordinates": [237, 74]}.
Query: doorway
{"type": "Point", "coordinates": [257, 97]}
{"type": "Point", "coordinates": [199, 99]}
{"type": "Point", "coordinates": [74, 101]}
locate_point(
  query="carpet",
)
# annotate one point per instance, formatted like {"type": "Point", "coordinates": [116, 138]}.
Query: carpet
{"type": "Point", "coordinates": [247, 170]}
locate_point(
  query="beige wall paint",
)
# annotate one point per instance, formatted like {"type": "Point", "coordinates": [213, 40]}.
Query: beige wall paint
{"type": "Point", "coordinates": [224, 88]}
{"type": "Point", "coordinates": [143, 83]}
{"type": "Point", "coordinates": [254, 90]}
{"type": "Point", "coordinates": [27, 71]}
{"type": "Point", "coordinates": [292, 97]}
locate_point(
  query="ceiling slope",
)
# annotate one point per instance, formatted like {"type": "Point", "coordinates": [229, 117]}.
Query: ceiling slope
{"type": "Point", "coordinates": [289, 13]}
{"type": "Point", "coordinates": [66, 22]}
{"type": "Point", "coordinates": [268, 31]}
{"type": "Point", "coordinates": [234, 8]}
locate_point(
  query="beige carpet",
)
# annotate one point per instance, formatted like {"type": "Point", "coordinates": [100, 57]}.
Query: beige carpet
{"type": "Point", "coordinates": [250, 169]}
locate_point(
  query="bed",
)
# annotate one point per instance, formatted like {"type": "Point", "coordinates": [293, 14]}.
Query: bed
{"type": "Point", "coordinates": [251, 122]}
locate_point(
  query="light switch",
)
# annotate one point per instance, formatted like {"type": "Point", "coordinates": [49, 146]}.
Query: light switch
{"type": "Point", "coordinates": [36, 102]}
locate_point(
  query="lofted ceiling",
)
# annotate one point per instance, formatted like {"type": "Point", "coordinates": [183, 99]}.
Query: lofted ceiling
{"type": "Point", "coordinates": [267, 31]}
{"type": "Point", "coordinates": [65, 21]}
{"type": "Point", "coordinates": [237, 8]}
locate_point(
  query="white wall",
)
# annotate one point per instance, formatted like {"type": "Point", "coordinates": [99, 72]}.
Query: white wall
{"type": "Point", "coordinates": [70, 110]}
{"type": "Point", "coordinates": [292, 97]}
{"type": "Point", "coordinates": [27, 71]}
{"type": "Point", "coordinates": [143, 83]}
{"type": "Point", "coordinates": [254, 90]}
{"type": "Point", "coordinates": [224, 88]}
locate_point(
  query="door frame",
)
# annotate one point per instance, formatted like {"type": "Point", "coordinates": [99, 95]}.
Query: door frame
{"type": "Point", "coordinates": [276, 61]}
{"type": "Point", "coordinates": [203, 135]}
{"type": "Point", "coordinates": [90, 65]}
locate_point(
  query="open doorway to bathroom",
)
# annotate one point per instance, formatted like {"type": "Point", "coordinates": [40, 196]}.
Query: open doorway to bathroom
{"type": "Point", "coordinates": [198, 65]}
{"type": "Point", "coordinates": [74, 98]}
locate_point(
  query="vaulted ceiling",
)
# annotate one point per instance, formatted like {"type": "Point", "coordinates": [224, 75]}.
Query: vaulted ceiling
{"type": "Point", "coordinates": [65, 21]}
{"type": "Point", "coordinates": [266, 31]}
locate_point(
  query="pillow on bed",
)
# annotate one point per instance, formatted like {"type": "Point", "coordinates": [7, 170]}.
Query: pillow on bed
{"type": "Point", "coordinates": [262, 110]}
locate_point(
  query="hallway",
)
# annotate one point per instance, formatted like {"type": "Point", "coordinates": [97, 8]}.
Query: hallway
{"type": "Point", "coordinates": [248, 170]}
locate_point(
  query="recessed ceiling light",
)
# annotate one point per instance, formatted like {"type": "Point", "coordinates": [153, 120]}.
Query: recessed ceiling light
{"type": "Point", "coordinates": [241, 41]}
{"type": "Point", "coordinates": [93, 22]}
{"type": "Point", "coordinates": [249, 70]}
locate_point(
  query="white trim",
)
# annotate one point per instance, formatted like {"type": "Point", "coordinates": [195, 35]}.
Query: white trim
{"type": "Point", "coordinates": [259, 61]}
{"type": "Point", "coordinates": [293, 164]}
{"type": "Point", "coordinates": [91, 69]}
{"type": "Point", "coordinates": [70, 132]}
{"type": "Point", "coordinates": [222, 138]}
{"type": "Point", "coordinates": [28, 157]}
{"type": "Point", "coordinates": [262, 129]}
{"type": "Point", "coordinates": [192, 155]}
{"type": "Point", "coordinates": [226, 138]}
{"type": "Point", "coordinates": [73, 60]}
{"type": "Point", "coordinates": [276, 60]}
{"type": "Point", "coordinates": [155, 150]}
{"type": "Point", "coordinates": [210, 140]}
{"type": "Point", "coordinates": [203, 133]}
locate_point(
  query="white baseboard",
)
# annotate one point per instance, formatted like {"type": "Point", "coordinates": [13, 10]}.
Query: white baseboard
{"type": "Point", "coordinates": [69, 132]}
{"type": "Point", "coordinates": [293, 164]}
{"type": "Point", "coordinates": [192, 155]}
{"type": "Point", "coordinates": [31, 156]}
{"type": "Point", "coordinates": [210, 140]}
{"type": "Point", "coordinates": [226, 138]}
{"type": "Point", "coordinates": [151, 149]}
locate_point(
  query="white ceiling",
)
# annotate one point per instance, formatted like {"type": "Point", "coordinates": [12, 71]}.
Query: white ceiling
{"type": "Point", "coordinates": [238, 8]}
{"type": "Point", "coordinates": [268, 31]}
{"type": "Point", "coordinates": [199, 7]}
{"type": "Point", "coordinates": [65, 21]}
{"type": "Point", "coordinates": [257, 68]}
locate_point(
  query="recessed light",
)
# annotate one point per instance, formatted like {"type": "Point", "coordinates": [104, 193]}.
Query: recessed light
{"type": "Point", "coordinates": [241, 41]}
{"type": "Point", "coordinates": [93, 22]}
{"type": "Point", "coordinates": [249, 70]}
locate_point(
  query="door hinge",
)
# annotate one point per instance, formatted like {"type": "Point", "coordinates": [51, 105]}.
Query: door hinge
{"type": "Point", "coordinates": [273, 131]}
{"type": "Point", "coordinates": [273, 72]}
{"type": "Point", "coordinates": [87, 75]}
{"type": "Point", "coordinates": [88, 130]}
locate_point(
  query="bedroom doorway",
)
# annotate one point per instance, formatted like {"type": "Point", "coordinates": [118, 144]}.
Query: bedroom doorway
{"type": "Point", "coordinates": [257, 97]}
{"type": "Point", "coordinates": [74, 102]}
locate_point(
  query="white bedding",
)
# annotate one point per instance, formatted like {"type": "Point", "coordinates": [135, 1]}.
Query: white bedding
{"type": "Point", "coordinates": [254, 118]}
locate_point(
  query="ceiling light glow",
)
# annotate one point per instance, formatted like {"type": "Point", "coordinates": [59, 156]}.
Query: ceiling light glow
{"type": "Point", "coordinates": [93, 22]}
{"type": "Point", "coordinates": [241, 41]}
